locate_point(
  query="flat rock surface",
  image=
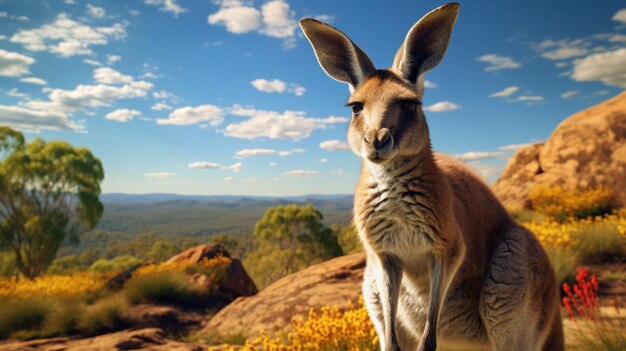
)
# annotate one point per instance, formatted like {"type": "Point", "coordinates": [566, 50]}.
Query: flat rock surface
{"type": "Point", "coordinates": [149, 339]}
{"type": "Point", "coordinates": [334, 282]}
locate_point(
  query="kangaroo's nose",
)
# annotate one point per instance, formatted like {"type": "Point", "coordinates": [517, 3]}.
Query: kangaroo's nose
{"type": "Point", "coordinates": [378, 139]}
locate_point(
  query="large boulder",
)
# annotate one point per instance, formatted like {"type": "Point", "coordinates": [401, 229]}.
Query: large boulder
{"type": "Point", "coordinates": [586, 150]}
{"type": "Point", "coordinates": [149, 339]}
{"type": "Point", "coordinates": [237, 282]}
{"type": "Point", "coordinates": [334, 282]}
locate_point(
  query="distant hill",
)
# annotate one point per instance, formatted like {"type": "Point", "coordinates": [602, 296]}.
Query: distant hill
{"type": "Point", "coordinates": [200, 216]}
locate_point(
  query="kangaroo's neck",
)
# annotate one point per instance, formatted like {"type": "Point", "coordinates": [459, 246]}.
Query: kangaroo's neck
{"type": "Point", "coordinates": [415, 168]}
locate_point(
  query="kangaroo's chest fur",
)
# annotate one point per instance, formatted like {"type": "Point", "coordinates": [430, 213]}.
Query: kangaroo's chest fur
{"type": "Point", "coordinates": [396, 213]}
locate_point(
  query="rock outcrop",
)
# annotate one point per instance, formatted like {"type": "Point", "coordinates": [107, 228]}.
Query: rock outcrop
{"type": "Point", "coordinates": [149, 339]}
{"type": "Point", "coordinates": [334, 282]}
{"type": "Point", "coordinates": [237, 282]}
{"type": "Point", "coordinates": [586, 150]}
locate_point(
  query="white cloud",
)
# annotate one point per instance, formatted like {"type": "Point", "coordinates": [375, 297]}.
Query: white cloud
{"type": "Point", "coordinates": [528, 98]}
{"type": "Point", "coordinates": [274, 19]}
{"type": "Point", "coordinates": [95, 11]}
{"type": "Point", "coordinates": [513, 147]}
{"type": "Point", "coordinates": [277, 86]}
{"type": "Point", "coordinates": [66, 37]}
{"type": "Point", "coordinates": [13, 64]}
{"type": "Point", "coordinates": [229, 179]}
{"type": "Point", "coordinates": [13, 17]}
{"type": "Point", "coordinates": [498, 62]}
{"type": "Point", "coordinates": [273, 164]}
{"type": "Point", "coordinates": [487, 171]}
{"type": "Point", "coordinates": [618, 38]}
{"type": "Point", "coordinates": [620, 16]}
{"type": "Point", "coordinates": [35, 120]}
{"type": "Point", "coordinates": [607, 67]}
{"type": "Point", "coordinates": [160, 106]}
{"type": "Point", "coordinates": [429, 84]}
{"type": "Point", "coordinates": [122, 115]}
{"type": "Point", "coordinates": [90, 96]}
{"type": "Point", "coordinates": [92, 62]}
{"type": "Point", "coordinates": [106, 75]}
{"type": "Point", "coordinates": [478, 155]}
{"type": "Point", "coordinates": [297, 90]}
{"type": "Point", "coordinates": [208, 115]}
{"type": "Point", "coordinates": [235, 167]}
{"type": "Point", "coordinates": [159, 175]}
{"type": "Point", "coordinates": [18, 94]}
{"type": "Point", "coordinates": [269, 86]}
{"type": "Point", "coordinates": [204, 165]}
{"type": "Point", "coordinates": [111, 59]}
{"type": "Point", "coordinates": [338, 172]}
{"type": "Point", "coordinates": [167, 6]}
{"type": "Point", "coordinates": [236, 17]}
{"type": "Point", "coordinates": [162, 94]}
{"type": "Point", "coordinates": [293, 125]}
{"type": "Point", "coordinates": [569, 94]}
{"type": "Point", "coordinates": [278, 20]}
{"type": "Point", "coordinates": [442, 106]}
{"type": "Point", "coordinates": [254, 152]}
{"type": "Point", "coordinates": [33, 80]}
{"type": "Point", "coordinates": [300, 173]}
{"type": "Point", "coordinates": [323, 160]}
{"type": "Point", "coordinates": [212, 165]}
{"type": "Point", "coordinates": [565, 53]}
{"type": "Point", "coordinates": [334, 145]}
{"type": "Point", "coordinates": [505, 92]}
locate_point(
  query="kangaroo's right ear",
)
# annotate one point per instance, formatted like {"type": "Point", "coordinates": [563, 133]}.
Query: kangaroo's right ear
{"type": "Point", "coordinates": [340, 58]}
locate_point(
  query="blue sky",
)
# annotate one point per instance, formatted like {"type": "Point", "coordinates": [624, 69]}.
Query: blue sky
{"type": "Point", "coordinates": [226, 97]}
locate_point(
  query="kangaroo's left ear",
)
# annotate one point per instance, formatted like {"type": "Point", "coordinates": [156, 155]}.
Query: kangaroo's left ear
{"type": "Point", "coordinates": [426, 43]}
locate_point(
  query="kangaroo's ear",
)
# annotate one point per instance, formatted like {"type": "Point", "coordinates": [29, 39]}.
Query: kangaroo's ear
{"type": "Point", "coordinates": [340, 58]}
{"type": "Point", "coordinates": [426, 43]}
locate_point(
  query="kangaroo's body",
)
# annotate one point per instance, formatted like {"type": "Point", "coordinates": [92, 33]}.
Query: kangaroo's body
{"type": "Point", "coordinates": [446, 265]}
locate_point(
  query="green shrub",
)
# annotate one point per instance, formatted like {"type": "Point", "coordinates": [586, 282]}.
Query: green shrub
{"type": "Point", "coordinates": [118, 263]}
{"type": "Point", "coordinates": [599, 243]}
{"type": "Point", "coordinates": [104, 315]}
{"type": "Point", "coordinates": [22, 315]}
{"type": "Point", "coordinates": [523, 215]}
{"type": "Point", "coordinates": [564, 262]}
{"type": "Point", "coordinates": [160, 288]}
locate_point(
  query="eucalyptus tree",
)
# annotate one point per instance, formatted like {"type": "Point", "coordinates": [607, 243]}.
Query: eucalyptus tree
{"type": "Point", "coordinates": [49, 194]}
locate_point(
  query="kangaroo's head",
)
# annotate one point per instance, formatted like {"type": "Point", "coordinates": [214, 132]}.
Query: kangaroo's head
{"type": "Point", "coordinates": [387, 118]}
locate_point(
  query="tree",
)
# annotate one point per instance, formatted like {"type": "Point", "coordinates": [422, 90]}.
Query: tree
{"type": "Point", "coordinates": [49, 193]}
{"type": "Point", "coordinates": [162, 250]}
{"type": "Point", "coordinates": [288, 239]}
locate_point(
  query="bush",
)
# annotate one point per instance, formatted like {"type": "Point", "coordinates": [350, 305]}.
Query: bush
{"type": "Point", "coordinates": [564, 262]}
{"type": "Point", "coordinates": [104, 315]}
{"type": "Point", "coordinates": [22, 315]}
{"type": "Point", "coordinates": [523, 215]}
{"type": "Point", "coordinates": [599, 242]}
{"type": "Point", "coordinates": [118, 263]}
{"type": "Point", "coordinates": [160, 288]}
{"type": "Point", "coordinates": [560, 203]}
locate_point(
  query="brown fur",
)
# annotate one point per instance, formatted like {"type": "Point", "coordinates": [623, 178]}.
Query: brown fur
{"type": "Point", "coordinates": [445, 262]}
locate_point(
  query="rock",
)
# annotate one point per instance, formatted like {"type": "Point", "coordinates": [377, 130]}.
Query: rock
{"type": "Point", "coordinates": [586, 150]}
{"type": "Point", "coordinates": [237, 282]}
{"type": "Point", "coordinates": [334, 282]}
{"type": "Point", "coordinates": [149, 339]}
{"type": "Point", "coordinates": [172, 319]}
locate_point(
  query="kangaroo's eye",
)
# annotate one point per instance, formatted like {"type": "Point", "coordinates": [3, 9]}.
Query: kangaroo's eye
{"type": "Point", "coordinates": [357, 108]}
{"type": "Point", "coordinates": [408, 106]}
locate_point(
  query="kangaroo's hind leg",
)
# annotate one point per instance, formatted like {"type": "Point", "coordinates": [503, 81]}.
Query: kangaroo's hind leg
{"type": "Point", "coordinates": [518, 298]}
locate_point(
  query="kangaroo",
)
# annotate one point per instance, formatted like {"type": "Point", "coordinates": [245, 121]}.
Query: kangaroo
{"type": "Point", "coordinates": [446, 265]}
